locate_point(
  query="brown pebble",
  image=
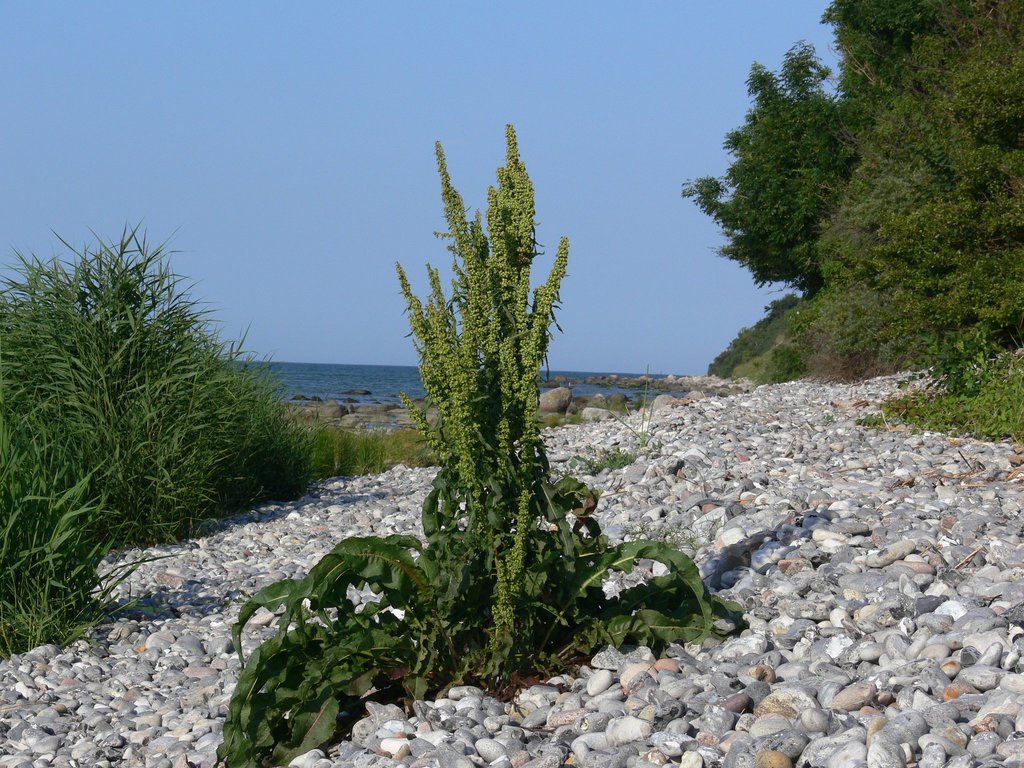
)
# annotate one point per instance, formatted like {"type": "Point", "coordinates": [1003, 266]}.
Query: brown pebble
{"type": "Point", "coordinates": [874, 726]}
{"type": "Point", "coordinates": [706, 739]}
{"type": "Point", "coordinates": [520, 758]}
{"type": "Point", "coordinates": [726, 743]}
{"type": "Point", "coordinates": [633, 671]}
{"type": "Point", "coordinates": [794, 565]}
{"type": "Point", "coordinates": [655, 756]}
{"type": "Point", "coordinates": [919, 567]}
{"type": "Point", "coordinates": [198, 672]}
{"type": "Point", "coordinates": [738, 702]}
{"type": "Point", "coordinates": [952, 734]}
{"type": "Point", "coordinates": [987, 723]}
{"type": "Point", "coordinates": [168, 579]}
{"type": "Point", "coordinates": [762, 672]}
{"type": "Point", "coordinates": [854, 696]}
{"type": "Point", "coordinates": [772, 759]}
{"type": "Point", "coordinates": [667, 665]}
{"type": "Point", "coordinates": [951, 667]}
{"type": "Point", "coordinates": [565, 717]}
{"type": "Point", "coordinates": [957, 689]}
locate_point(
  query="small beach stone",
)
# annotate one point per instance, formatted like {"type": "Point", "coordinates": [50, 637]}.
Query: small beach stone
{"type": "Point", "coordinates": [599, 681]}
{"type": "Point", "coordinates": [854, 697]}
{"type": "Point", "coordinates": [813, 720]}
{"type": "Point", "coordinates": [772, 759]}
{"type": "Point", "coordinates": [788, 702]}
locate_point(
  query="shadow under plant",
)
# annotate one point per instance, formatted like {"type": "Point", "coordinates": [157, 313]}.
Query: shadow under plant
{"type": "Point", "coordinates": [509, 580]}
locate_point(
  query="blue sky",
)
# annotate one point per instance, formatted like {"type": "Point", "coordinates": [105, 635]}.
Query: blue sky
{"type": "Point", "coordinates": [287, 154]}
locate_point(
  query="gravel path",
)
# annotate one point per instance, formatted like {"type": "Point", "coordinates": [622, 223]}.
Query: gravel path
{"type": "Point", "coordinates": [882, 575]}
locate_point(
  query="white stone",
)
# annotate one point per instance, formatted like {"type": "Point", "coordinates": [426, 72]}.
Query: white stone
{"type": "Point", "coordinates": [599, 681]}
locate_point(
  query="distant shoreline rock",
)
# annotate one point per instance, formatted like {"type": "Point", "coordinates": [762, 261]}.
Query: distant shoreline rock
{"type": "Point", "coordinates": [357, 416]}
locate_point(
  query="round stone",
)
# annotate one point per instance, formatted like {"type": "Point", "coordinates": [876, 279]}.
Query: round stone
{"type": "Point", "coordinates": [854, 697]}
{"type": "Point", "coordinates": [813, 720]}
{"type": "Point", "coordinates": [772, 759]}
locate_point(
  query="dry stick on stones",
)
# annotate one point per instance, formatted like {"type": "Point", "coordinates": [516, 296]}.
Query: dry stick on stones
{"type": "Point", "coordinates": [977, 550]}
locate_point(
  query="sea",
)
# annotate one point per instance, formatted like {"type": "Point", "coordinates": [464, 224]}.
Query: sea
{"type": "Point", "coordinates": [384, 383]}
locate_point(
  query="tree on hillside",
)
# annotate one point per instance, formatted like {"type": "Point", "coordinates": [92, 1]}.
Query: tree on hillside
{"type": "Point", "coordinates": [876, 39]}
{"type": "Point", "coordinates": [896, 204]}
{"type": "Point", "coordinates": [789, 161]}
{"type": "Point", "coordinates": [933, 218]}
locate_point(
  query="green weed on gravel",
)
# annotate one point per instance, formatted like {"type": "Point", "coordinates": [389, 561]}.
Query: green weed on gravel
{"type": "Point", "coordinates": [605, 458]}
{"type": "Point", "coordinates": [995, 411]}
{"type": "Point", "coordinates": [509, 581]}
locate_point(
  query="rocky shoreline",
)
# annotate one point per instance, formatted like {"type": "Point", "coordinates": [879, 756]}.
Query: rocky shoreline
{"type": "Point", "coordinates": [881, 574]}
{"type": "Point", "coordinates": [678, 385]}
{"type": "Point", "coordinates": [557, 398]}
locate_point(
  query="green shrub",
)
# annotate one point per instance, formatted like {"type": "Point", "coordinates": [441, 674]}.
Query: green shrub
{"type": "Point", "coordinates": [845, 333]}
{"type": "Point", "coordinates": [510, 578]}
{"type": "Point", "coordinates": [108, 355]}
{"type": "Point", "coordinates": [994, 409]}
{"type": "Point", "coordinates": [962, 363]}
{"type": "Point", "coordinates": [49, 588]}
{"type": "Point", "coordinates": [785, 363]}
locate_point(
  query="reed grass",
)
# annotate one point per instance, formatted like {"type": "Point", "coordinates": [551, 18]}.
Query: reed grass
{"type": "Point", "coordinates": [49, 587]}
{"type": "Point", "coordinates": [129, 422]}
{"type": "Point", "coordinates": [110, 356]}
{"type": "Point", "coordinates": [350, 452]}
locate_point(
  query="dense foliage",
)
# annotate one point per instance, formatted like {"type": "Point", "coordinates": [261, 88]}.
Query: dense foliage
{"type": "Point", "coordinates": [510, 578]}
{"type": "Point", "coordinates": [122, 421]}
{"type": "Point", "coordinates": [918, 232]}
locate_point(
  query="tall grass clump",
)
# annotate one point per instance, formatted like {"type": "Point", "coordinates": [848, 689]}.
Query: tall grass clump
{"type": "Point", "coordinates": [106, 355]}
{"type": "Point", "coordinates": [509, 580]}
{"type": "Point", "coordinates": [351, 452]}
{"type": "Point", "coordinates": [49, 588]}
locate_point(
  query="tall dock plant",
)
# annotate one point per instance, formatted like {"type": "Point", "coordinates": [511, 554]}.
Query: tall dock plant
{"type": "Point", "coordinates": [480, 353]}
{"type": "Point", "coordinates": [509, 580]}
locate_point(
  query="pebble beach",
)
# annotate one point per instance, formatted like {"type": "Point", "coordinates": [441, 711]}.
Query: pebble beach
{"type": "Point", "coordinates": [881, 571]}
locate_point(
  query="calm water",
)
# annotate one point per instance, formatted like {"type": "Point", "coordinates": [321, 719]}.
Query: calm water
{"type": "Point", "coordinates": [384, 382]}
